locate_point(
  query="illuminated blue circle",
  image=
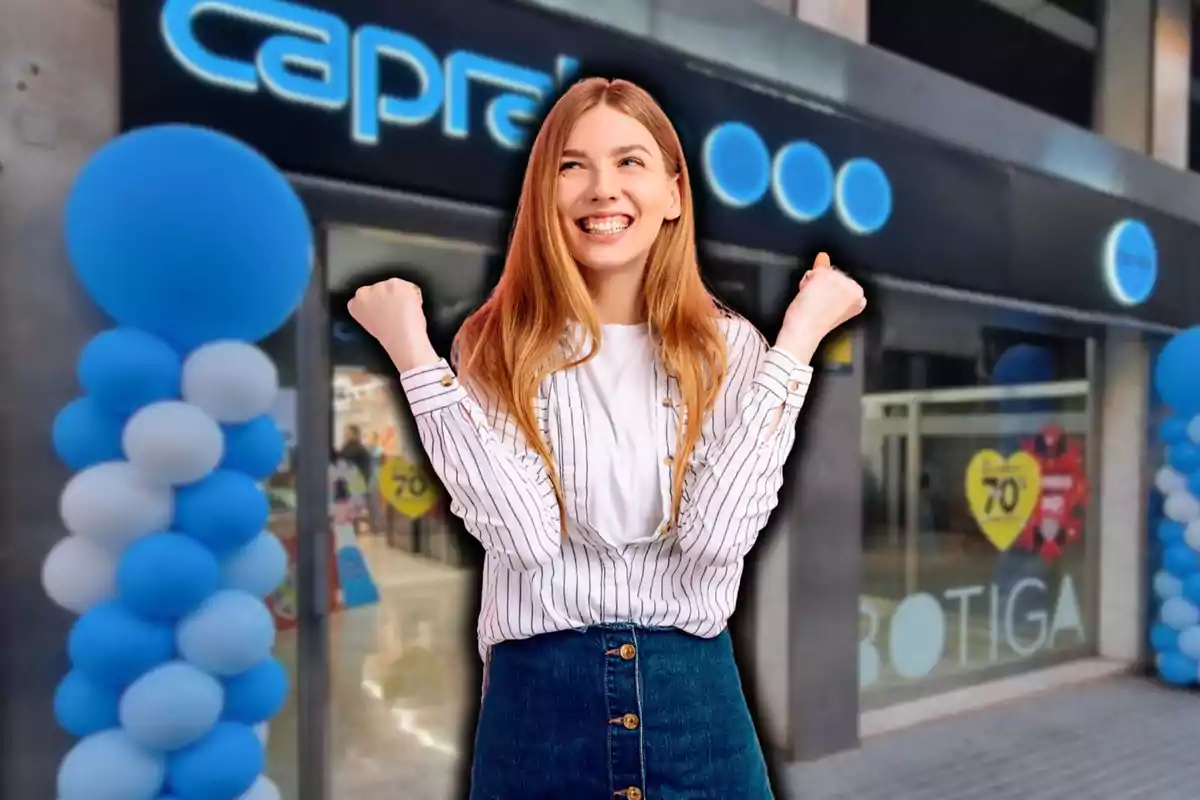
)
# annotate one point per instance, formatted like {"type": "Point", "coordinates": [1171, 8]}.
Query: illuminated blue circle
{"type": "Point", "coordinates": [802, 180]}
{"type": "Point", "coordinates": [737, 164]}
{"type": "Point", "coordinates": [864, 196]}
{"type": "Point", "coordinates": [1130, 262]}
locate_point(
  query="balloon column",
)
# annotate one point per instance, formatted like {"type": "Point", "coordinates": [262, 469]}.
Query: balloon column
{"type": "Point", "coordinates": [1175, 636]}
{"type": "Point", "coordinates": [196, 247]}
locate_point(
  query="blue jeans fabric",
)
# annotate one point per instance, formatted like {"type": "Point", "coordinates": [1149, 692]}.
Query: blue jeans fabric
{"type": "Point", "coordinates": [556, 721]}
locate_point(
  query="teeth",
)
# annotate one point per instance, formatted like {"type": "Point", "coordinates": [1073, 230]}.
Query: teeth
{"type": "Point", "coordinates": [606, 225]}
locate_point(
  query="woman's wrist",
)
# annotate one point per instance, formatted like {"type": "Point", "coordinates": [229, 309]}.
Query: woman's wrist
{"type": "Point", "coordinates": [800, 345]}
{"type": "Point", "coordinates": [407, 356]}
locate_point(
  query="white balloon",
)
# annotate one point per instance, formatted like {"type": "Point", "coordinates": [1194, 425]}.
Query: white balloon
{"type": "Point", "coordinates": [232, 381]}
{"type": "Point", "coordinates": [1182, 507]}
{"type": "Point", "coordinates": [113, 505]}
{"type": "Point", "coordinates": [1167, 585]}
{"type": "Point", "coordinates": [259, 567]}
{"type": "Point", "coordinates": [1191, 535]}
{"type": "Point", "coordinates": [1193, 429]}
{"type": "Point", "coordinates": [263, 730]}
{"type": "Point", "coordinates": [78, 574]}
{"type": "Point", "coordinates": [173, 443]}
{"type": "Point", "coordinates": [1179, 614]}
{"type": "Point", "coordinates": [1168, 481]}
{"type": "Point", "coordinates": [263, 789]}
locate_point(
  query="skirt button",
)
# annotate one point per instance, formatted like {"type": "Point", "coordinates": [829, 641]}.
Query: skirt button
{"type": "Point", "coordinates": [630, 721]}
{"type": "Point", "coordinates": [633, 793]}
{"type": "Point", "coordinates": [627, 652]}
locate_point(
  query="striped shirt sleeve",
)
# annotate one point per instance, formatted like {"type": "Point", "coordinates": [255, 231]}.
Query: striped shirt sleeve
{"type": "Point", "coordinates": [732, 487]}
{"type": "Point", "coordinates": [504, 497]}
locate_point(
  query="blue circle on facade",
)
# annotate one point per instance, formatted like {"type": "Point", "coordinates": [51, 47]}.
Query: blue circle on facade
{"type": "Point", "coordinates": [802, 180]}
{"type": "Point", "coordinates": [737, 164]}
{"type": "Point", "coordinates": [1130, 262]}
{"type": "Point", "coordinates": [864, 196]}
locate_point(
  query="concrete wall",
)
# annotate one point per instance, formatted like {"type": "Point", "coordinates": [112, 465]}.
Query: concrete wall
{"type": "Point", "coordinates": [58, 103]}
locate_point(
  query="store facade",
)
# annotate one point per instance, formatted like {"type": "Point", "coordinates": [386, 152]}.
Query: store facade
{"type": "Point", "coordinates": [954, 544]}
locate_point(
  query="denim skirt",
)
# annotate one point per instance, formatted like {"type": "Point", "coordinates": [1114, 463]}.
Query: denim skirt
{"type": "Point", "coordinates": [616, 711]}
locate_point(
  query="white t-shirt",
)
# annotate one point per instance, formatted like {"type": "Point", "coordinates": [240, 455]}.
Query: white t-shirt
{"type": "Point", "coordinates": [618, 393]}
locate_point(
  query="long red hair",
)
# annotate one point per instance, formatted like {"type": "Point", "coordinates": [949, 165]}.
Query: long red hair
{"type": "Point", "coordinates": [515, 339]}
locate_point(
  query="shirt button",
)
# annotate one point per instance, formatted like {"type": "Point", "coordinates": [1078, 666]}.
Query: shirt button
{"type": "Point", "coordinates": [794, 386]}
{"type": "Point", "coordinates": [448, 380]}
{"type": "Point", "coordinates": [630, 721]}
{"type": "Point", "coordinates": [665, 529]}
{"type": "Point", "coordinates": [627, 652]}
{"type": "Point", "coordinates": [668, 402]}
{"type": "Point", "coordinates": [668, 461]}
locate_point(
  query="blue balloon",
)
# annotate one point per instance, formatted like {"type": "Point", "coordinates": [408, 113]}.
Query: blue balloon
{"type": "Point", "coordinates": [83, 707]}
{"type": "Point", "coordinates": [1180, 560]}
{"type": "Point", "coordinates": [1179, 613]}
{"type": "Point", "coordinates": [1164, 639]}
{"type": "Point", "coordinates": [110, 766]}
{"type": "Point", "coordinates": [1184, 457]}
{"type": "Point", "coordinates": [166, 576]}
{"type": "Point", "coordinates": [1189, 643]}
{"type": "Point", "coordinates": [258, 568]}
{"type": "Point", "coordinates": [85, 435]}
{"type": "Point", "coordinates": [1176, 378]}
{"type": "Point", "coordinates": [224, 511]}
{"type": "Point", "coordinates": [125, 369]}
{"type": "Point", "coordinates": [257, 694]}
{"type": "Point", "coordinates": [1193, 484]}
{"type": "Point", "coordinates": [1172, 430]}
{"type": "Point", "coordinates": [189, 234]}
{"type": "Point", "coordinates": [1170, 532]}
{"type": "Point", "coordinates": [230, 633]}
{"type": "Point", "coordinates": [1191, 589]}
{"type": "Point", "coordinates": [171, 706]}
{"type": "Point", "coordinates": [1024, 363]}
{"type": "Point", "coordinates": [1178, 669]}
{"type": "Point", "coordinates": [113, 646]}
{"type": "Point", "coordinates": [255, 448]}
{"type": "Point", "coordinates": [224, 764]}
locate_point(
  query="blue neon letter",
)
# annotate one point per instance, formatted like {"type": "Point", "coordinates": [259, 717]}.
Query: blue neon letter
{"type": "Point", "coordinates": [372, 45]}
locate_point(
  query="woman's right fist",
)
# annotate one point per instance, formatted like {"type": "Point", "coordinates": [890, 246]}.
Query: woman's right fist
{"type": "Point", "coordinates": [391, 312]}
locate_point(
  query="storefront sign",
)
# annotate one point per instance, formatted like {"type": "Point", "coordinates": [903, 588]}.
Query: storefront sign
{"type": "Point", "coordinates": [439, 98]}
{"type": "Point", "coordinates": [1019, 623]}
{"type": "Point", "coordinates": [313, 58]}
{"type": "Point", "coordinates": [1130, 262]}
{"type": "Point", "coordinates": [1002, 494]}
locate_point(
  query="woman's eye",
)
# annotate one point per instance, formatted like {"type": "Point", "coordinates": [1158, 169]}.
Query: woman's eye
{"type": "Point", "coordinates": [566, 165]}
{"type": "Point", "coordinates": [631, 161]}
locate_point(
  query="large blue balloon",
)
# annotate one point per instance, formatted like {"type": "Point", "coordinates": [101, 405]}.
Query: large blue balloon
{"type": "Point", "coordinates": [224, 510]}
{"type": "Point", "coordinates": [109, 766]}
{"type": "Point", "coordinates": [166, 576]}
{"type": "Point", "coordinates": [257, 694]}
{"type": "Point", "coordinates": [83, 707]}
{"type": "Point", "coordinates": [1175, 375]}
{"type": "Point", "coordinates": [255, 447]}
{"type": "Point", "coordinates": [84, 434]}
{"type": "Point", "coordinates": [189, 234]}
{"type": "Point", "coordinates": [125, 369]}
{"type": "Point", "coordinates": [113, 646]}
{"type": "Point", "coordinates": [224, 764]}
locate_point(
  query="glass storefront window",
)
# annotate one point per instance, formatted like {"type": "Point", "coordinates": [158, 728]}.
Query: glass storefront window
{"type": "Point", "coordinates": [404, 669]}
{"type": "Point", "coordinates": [977, 559]}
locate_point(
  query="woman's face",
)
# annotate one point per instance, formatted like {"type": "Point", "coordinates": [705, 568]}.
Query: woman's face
{"type": "Point", "coordinates": [614, 191]}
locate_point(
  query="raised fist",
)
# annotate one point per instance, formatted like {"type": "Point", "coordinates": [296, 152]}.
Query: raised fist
{"type": "Point", "coordinates": [391, 311]}
{"type": "Point", "coordinates": [827, 298]}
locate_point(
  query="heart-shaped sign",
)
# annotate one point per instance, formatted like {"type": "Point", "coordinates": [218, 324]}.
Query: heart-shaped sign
{"type": "Point", "coordinates": [405, 485]}
{"type": "Point", "coordinates": [1003, 493]}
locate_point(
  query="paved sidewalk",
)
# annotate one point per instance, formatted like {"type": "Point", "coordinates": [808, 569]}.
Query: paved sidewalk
{"type": "Point", "coordinates": [1118, 739]}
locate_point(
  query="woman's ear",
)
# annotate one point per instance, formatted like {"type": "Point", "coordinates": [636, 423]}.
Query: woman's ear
{"type": "Point", "coordinates": [676, 206]}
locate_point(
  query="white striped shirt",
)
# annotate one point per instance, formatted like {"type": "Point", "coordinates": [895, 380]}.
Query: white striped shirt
{"type": "Point", "coordinates": [535, 580]}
